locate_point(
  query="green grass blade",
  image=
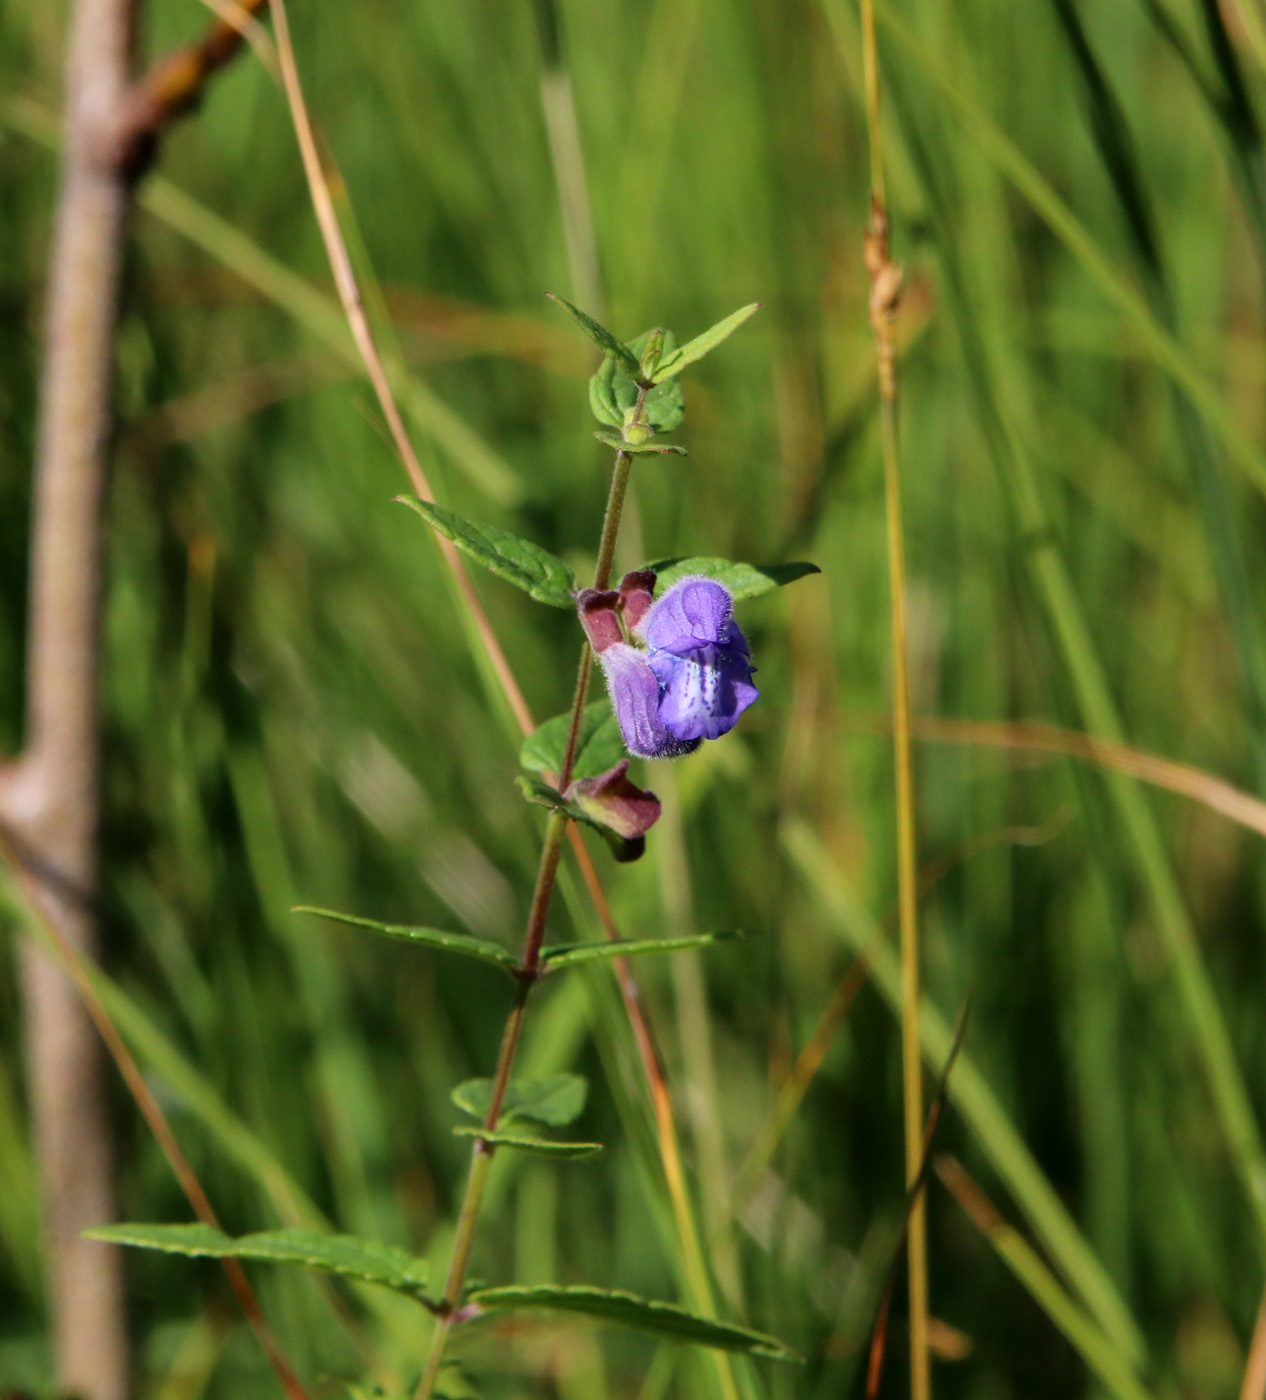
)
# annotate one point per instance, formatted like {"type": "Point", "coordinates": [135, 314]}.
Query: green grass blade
{"type": "Point", "coordinates": [975, 1100]}
{"type": "Point", "coordinates": [1025, 176]}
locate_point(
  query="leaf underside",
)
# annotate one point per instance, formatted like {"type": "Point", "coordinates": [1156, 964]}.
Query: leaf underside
{"type": "Point", "coordinates": [370, 1261]}
{"type": "Point", "coordinates": [448, 942]}
{"type": "Point", "coordinates": [640, 448]}
{"type": "Point", "coordinates": [554, 1100]}
{"type": "Point", "coordinates": [639, 1314]}
{"type": "Point", "coordinates": [541, 1147]}
{"type": "Point", "coordinates": [540, 574]}
{"type": "Point", "coordinates": [743, 580]}
{"type": "Point", "coordinates": [608, 343]}
{"type": "Point", "coordinates": [572, 954]}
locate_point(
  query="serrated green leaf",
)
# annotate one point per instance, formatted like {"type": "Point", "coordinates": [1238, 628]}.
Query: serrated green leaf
{"type": "Point", "coordinates": [599, 746]}
{"type": "Point", "coordinates": [639, 1314]}
{"type": "Point", "coordinates": [606, 342]}
{"type": "Point", "coordinates": [640, 448]}
{"type": "Point", "coordinates": [673, 364]}
{"type": "Point", "coordinates": [612, 393]}
{"type": "Point", "coordinates": [555, 1100]}
{"type": "Point", "coordinates": [572, 954]}
{"type": "Point", "coordinates": [367, 1260]}
{"type": "Point", "coordinates": [743, 580]}
{"type": "Point", "coordinates": [542, 1147]}
{"type": "Point", "coordinates": [432, 937]}
{"type": "Point", "coordinates": [536, 571]}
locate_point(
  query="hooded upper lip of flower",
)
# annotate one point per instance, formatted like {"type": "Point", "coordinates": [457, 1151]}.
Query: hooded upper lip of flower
{"type": "Point", "coordinates": [695, 678]}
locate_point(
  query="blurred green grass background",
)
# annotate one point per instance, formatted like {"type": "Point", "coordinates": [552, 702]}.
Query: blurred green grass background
{"type": "Point", "coordinates": [293, 712]}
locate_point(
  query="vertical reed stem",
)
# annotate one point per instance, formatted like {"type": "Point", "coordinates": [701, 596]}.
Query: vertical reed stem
{"type": "Point", "coordinates": [885, 283]}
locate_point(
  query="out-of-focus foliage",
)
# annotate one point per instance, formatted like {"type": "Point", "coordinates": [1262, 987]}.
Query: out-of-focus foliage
{"type": "Point", "coordinates": [294, 713]}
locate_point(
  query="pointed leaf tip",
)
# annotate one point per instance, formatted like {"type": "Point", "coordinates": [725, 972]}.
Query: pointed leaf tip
{"type": "Point", "coordinates": [540, 574]}
{"type": "Point", "coordinates": [463, 943]}
{"type": "Point", "coordinates": [608, 343]}
{"type": "Point", "coordinates": [370, 1261]}
{"type": "Point", "coordinates": [639, 1314]}
{"type": "Point", "coordinates": [696, 349]}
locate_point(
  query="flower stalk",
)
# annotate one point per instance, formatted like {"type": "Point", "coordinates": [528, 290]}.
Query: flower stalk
{"type": "Point", "coordinates": [534, 936]}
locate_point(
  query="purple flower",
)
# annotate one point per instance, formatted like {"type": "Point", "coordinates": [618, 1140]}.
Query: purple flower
{"type": "Point", "coordinates": [695, 678]}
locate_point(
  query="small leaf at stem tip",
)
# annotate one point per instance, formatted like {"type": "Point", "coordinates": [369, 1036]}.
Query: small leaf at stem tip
{"type": "Point", "coordinates": [602, 338]}
{"type": "Point", "coordinates": [638, 448]}
{"type": "Point", "coordinates": [573, 954]}
{"type": "Point", "coordinates": [742, 580]}
{"type": "Point", "coordinates": [447, 942]}
{"type": "Point", "coordinates": [541, 1147]}
{"type": "Point", "coordinates": [540, 574]}
{"type": "Point", "coordinates": [598, 747]}
{"type": "Point", "coordinates": [369, 1261]}
{"type": "Point", "coordinates": [612, 393]}
{"type": "Point", "coordinates": [638, 1314]}
{"type": "Point", "coordinates": [554, 1100]}
{"type": "Point", "coordinates": [697, 348]}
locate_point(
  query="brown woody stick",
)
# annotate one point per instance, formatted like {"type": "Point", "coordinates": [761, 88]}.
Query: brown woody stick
{"type": "Point", "coordinates": [50, 796]}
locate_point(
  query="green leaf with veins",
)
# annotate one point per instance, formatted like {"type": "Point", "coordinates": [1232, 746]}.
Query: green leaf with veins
{"type": "Point", "coordinates": [555, 1100]}
{"type": "Point", "coordinates": [598, 748]}
{"type": "Point", "coordinates": [743, 580]}
{"type": "Point", "coordinates": [612, 393]}
{"type": "Point", "coordinates": [370, 1261]}
{"type": "Point", "coordinates": [536, 571]}
{"type": "Point", "coordinates": [640, 1314]}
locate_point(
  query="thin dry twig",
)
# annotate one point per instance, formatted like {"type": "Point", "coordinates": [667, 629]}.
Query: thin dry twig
{"type": "Point", "coordinates": [1183, 778]}
{"type": "Point", "coordinates": [177, 82]}
{"type": "Point", "coordinates": [50, 796]}
{"type": "Point", "coordinates": [77, 965]}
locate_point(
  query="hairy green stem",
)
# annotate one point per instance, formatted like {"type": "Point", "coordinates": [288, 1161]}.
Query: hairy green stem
{"type": "Point", "coordinates": [547, 871]}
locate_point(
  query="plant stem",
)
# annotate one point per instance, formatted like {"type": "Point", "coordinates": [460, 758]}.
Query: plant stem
{"type": "Point", "coordinates": [885, 279]}
{"type": "Point", "coordinates": [547, 871]}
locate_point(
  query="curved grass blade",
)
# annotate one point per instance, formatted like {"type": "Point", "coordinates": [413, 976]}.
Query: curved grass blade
{"type": "Point", "coordinates": [369, 1261]}
{"type": "Point", "coordinates": [540, 1147]}
{"type": "Point", "coordinates": [606, 342]}
{"type": "Point", "coordinates": [573, 954]}
{"type": "Point", "coordinates": [1008, 158]}
{"type": "Point", "coordinates": [432, 937]}
{"type": "Point", "coordinates": [540, 574]}
{"type": "Point", "coordinates": [743, 580]}
{"type": "Point", "coordinates": [638, 1314]}
{"type": "Point", "coordinates": [697, 348]}
{"type": "Point", "coordinates": [1025, 1263]}
{"type": "Point", "coordinates": [975, 1100]}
